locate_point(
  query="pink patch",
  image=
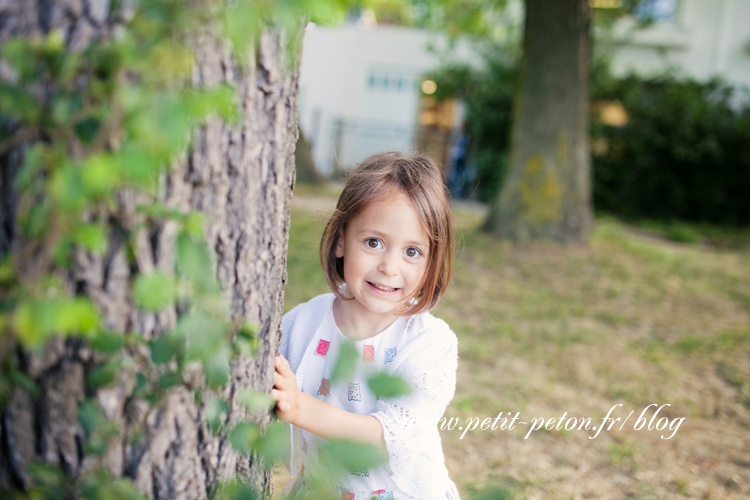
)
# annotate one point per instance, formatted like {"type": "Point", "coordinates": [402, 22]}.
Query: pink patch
{"type": "Point", "coordinates": [325, 387]}
{"type": "Point", "coordinates": [368, 353]}
{"type": "Point", "coordinates": [322, 349]}
{"type": "Point", "coordinates": [346, 495]}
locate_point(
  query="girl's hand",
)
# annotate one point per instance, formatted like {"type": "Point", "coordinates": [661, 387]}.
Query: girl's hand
{"type": "Point", "coordinates": [286, 393]}
{"type": "Point", "coordinates": [319, 417]}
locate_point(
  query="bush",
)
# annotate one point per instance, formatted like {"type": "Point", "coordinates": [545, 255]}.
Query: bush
{"type": "Point", "coordinates": [682, 155]}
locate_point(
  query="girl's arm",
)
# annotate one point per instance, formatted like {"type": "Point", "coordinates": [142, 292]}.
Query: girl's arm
{"type": "Point", "coordinates": [320, 418]}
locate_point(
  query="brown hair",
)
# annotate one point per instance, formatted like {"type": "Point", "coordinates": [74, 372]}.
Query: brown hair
{"type": "Point", "coordinates": [374, 179]}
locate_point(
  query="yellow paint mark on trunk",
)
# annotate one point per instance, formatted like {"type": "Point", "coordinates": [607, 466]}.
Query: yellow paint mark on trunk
{"type": "Point", "coordinates": [541, 192]}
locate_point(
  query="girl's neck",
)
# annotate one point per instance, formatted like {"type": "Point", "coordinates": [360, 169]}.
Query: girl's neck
{"type": "Point", "coordinates": [358, 323]}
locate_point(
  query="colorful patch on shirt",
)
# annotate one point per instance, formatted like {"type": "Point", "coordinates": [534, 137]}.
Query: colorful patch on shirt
{"type": "Point", "coordinates": [382, 495]}
{"type": "Point", "coordinates": [354, 392]}
{"type": "Point", "coordinates": [390, 354]}
{"type": "Point", "coordinates": [347, 495]}
{"type": "Point", "coordinates": [368, 353]}
{"type": "Point", "coordinates": [322, 349]}
{"type": "Point", "coordinates": [325, 388]}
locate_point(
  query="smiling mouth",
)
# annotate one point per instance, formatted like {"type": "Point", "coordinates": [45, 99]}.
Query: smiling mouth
{"type": "Point", "coordinates": [381, 287]}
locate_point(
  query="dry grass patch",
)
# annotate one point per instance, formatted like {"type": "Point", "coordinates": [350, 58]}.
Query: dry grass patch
{"type": "Point", "coordinates": [544, 330]}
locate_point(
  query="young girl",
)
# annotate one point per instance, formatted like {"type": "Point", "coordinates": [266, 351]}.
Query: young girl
{"type": "Point", "coordinates": [387, 253]}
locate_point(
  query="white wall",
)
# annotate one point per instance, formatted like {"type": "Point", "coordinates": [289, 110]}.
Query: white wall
{"type": "Point", "coordinates": [343, 77]}
{"type": "Point", "coordinates": [707, 38]}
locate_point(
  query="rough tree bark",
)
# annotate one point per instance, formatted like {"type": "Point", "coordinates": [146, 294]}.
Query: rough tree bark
{"type": "Point", "coordinates": [546, 193]}
{"type": "Point", "coordinates": [241, 177]}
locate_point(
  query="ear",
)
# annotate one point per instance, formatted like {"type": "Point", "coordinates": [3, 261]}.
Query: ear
{"type": "Point", "coordinates": [340, 246]}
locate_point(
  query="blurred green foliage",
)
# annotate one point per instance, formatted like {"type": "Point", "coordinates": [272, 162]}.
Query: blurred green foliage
{"type": "Point", "coordinates": [682, 155]}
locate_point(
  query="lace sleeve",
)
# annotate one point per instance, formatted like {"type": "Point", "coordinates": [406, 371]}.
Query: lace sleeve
{"type": "Point", "coordinates": [287, 322]}
{"type": "Point", "coordinates": [410, 422]}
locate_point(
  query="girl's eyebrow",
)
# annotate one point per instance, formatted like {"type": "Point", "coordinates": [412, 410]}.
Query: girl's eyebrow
{"type": "Point", "coordinates": [385, 236]}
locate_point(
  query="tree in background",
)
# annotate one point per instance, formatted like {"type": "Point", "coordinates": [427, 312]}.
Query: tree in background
{"type": "Point", "coordinates": [546, 193]}
{"type": "Point", "coordinates": [142, 282]}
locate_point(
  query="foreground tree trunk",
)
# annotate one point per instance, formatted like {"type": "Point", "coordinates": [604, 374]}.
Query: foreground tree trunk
{"type": "Point", "coordinates": [546, 193]}
{"type": "Point", "coordinates": [241, 177]}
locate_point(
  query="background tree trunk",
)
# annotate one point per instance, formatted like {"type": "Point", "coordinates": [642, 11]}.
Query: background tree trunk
{"type": "Point", "coordinates": [241, 177]}
{"type": "Point", "coordinates": [546, 193]}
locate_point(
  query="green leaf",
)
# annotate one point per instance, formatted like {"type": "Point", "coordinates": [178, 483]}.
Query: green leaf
{"type": "Point", "coordinates": [36, 221]}
{"type": "Point", "coordinates": [155, 291]}
{"type": "Point", "coordinates": [141, 388]}
{"type": "Point", "coordinates": [203, 334]}
{"type": "Point", "coordinates": [194, 262]}
{"type": "Point", "coordinates": [67, 188]}
{"type": "Point", "coordinates": [99, 174]}
{"type": "Point", "coordinates": [75, 316]}
{"type": "Point", "coordinates": [107, 342]}
{"type": "Point", "coordinates": [138, 166]}
{"type": "Point", "coordinates": [245, 347]}
{"type": "Point", "coordinates": [92, 237]}
{"type": "Point", "coordinates": [385, 385]}
{"type": "Point", "coordinates": [346, 363]}
{"type": "Point", "coordinates": [216, 412]}
{"type": "Point", "coordinates": [164, 347]}
{"type": "Point", "coordinates": [100, 485]}
{"type": "Point", "coordinates": [325, 12]}
{"type": "Point", "coordinates": [274, 445]}
{"type": "Point", "coordinates": [19, 103]}
{"type": "Point", "coordinates": [161, 211]}
{"type": "Point", "coordinates": [24, 382]}
{"type": "Point", "coordinates": [27, 330]}
{"type": "Point", "coordinates": [235, 490]}
{"type": "Point", "coordinates": [219, 100]}
{"type": "Point", "coordinates": [64, 106]}
{"type": "Point", "coordinates": [248, 330]}
{"type": "Point", "coordinates": [194, 223]}
{"type": "Point", "coordinates": [350, 455]}
{"type": "Point", "coordinates": [242, 25]}
{"type": "Point", "coordinates": [90, 416]}
{"type": "Point", "coordinates": [256, 401]}
{"type": "Point", "coordinates": [87, 129]}
{"type": "Point", "coordinates": [246, 341]}
{"type": "Point", "coordinates": [49, 477]}
{"type": "Point", "coordinates": [105, 374]}
{"type": "Point", "coordinates": [170, 379]}
{"type": "Point", "coordinates": [217, 368]}
{"type": "Point", "coordinates": [34, 322]}
{"type": "Point", "coordinates": [243, 437]}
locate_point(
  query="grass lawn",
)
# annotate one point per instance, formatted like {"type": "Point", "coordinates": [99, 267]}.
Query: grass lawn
{"type": "Point", "coordinates": [546, 330]}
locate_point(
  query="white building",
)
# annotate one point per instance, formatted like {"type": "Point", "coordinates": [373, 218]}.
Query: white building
{"type": "Point", "coordinates": [360, 83]}
{"type": "Point", "coordinates": [360, 90]}
{"type": "Point", "coordinates": [702, 38]}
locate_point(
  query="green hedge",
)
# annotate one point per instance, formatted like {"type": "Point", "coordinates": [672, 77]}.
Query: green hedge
{"type": "Point", "coordinates": [684, 153]}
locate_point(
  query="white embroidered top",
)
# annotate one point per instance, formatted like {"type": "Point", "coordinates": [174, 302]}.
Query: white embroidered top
{"type": "Point", "coordinates": [423, 351]}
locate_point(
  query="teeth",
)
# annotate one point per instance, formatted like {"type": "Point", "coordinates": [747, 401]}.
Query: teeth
{"type": "Point", "coordinates": [384, 288]}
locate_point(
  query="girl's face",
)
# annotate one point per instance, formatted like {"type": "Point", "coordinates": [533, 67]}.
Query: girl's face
{"type": "Point", "coordinates": [385, 251]}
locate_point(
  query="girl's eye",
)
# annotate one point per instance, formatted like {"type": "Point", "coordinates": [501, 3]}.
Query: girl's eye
{"type": "Point", "coordinates": [413, 252]}
{"type": "Point", "coordinates": [373, 243]}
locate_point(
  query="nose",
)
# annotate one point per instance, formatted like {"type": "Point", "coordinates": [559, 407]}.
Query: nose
{"type": "Point", "coordinates": [389, 265]}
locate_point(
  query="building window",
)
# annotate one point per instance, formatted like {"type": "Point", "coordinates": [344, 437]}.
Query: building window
{"type": "Point", "coordinates": [390, 81]}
